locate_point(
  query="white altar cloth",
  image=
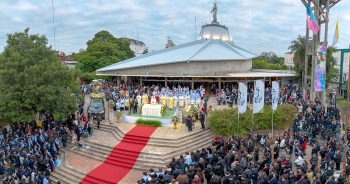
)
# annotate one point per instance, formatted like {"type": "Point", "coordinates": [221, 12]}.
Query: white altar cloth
{"type": "Point", "coordinates": [151, 110]}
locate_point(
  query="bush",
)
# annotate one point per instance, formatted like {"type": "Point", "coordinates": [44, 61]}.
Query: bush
{"type": "Point", "coordinates": [147, 122]}
{"type": "Point", "coordinates": [225, 122]}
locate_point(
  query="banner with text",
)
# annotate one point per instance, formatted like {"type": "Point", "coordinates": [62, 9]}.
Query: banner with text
{"type": "Point", "coordinates": [275, 94]}
{"type": "Point", "coordinates": [259, 95]}
{"type": "Point", "coordinates": [242, 97]}
{"type": "Point", "coordinates": [320, 69]}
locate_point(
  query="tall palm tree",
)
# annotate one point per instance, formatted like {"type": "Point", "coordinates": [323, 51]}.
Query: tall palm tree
{"type": "Point", "coordinates": [298, 47]}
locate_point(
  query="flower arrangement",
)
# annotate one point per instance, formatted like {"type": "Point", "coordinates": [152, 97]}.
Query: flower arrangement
{"type": "Point", "coordinates": [111, 105]}
{"type": "Point", "coordinates": [175, 120]}
{"type": "Point", "coordinates": [119, 115]}
{"type": "Point", "coordinates": [163, 110]}
{"type": "Point", "coordinates": [193, 111]}
{"type": "Point", "coordinates": [140, 108]}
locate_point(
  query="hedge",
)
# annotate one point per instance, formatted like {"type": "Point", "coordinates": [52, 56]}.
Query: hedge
{"type": "Point", "coordinates": [147, 122]}
{"type": "Point", "coordinates": [225, 122]}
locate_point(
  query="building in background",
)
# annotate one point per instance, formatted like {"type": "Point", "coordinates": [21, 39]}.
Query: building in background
{"type": "Point", "coordinates": [138, 47]}
{"type": "Point", "coordinates": [268, 54]}
{"type": "Point", "coordinates": [288, 59]}
{"type": "Point", "coordinates": [70, 63]}
{"type": "Point", "coordinates": [61, 55]}
{"type": "Point", "coordinates": [342, 67]}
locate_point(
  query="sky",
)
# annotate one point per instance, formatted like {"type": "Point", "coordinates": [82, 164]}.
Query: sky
{"type": "Point", "coordinates": [256, 25]}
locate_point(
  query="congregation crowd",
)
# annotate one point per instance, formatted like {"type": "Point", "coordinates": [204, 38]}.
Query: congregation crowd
{"type": "Point", "coordinates": [28, 151]}
{"type": "Point", "coordinates": [258, 158]}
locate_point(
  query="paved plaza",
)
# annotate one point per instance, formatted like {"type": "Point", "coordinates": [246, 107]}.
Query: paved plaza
{"type": "Point", "coordinates": [85, 164]}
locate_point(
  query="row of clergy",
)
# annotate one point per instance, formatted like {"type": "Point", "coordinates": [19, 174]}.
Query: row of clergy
{"type": "Point", "coordinates": [191, 94]}
{"type": "Point", "coordinates": [164, 100]}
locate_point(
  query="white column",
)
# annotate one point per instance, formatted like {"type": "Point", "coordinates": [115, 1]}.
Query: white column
{"type": "Point", "coordinates": [118, 79]}
{"type": "Point", "coordinates": [140, 80]}
{"type": "Point", "coordinates": [166, 81]}
{"type": "Point", "coordinates": [192, 83]}
{"type": "Point", "coordinates": [220, 83]}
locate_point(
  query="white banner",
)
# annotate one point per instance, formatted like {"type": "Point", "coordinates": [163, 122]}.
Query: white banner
{"type": "Point", "coordinates": [242, 97]}
{"type": "Point", "coordinates": [259, 96]}
{"type": "Point", "coordinates": [275, 94]}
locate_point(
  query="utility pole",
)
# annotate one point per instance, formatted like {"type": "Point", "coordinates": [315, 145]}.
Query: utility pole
{"type": "Point", "coordinates": [54, 27]}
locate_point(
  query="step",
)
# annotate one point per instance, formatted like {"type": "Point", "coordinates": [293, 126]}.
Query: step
{"type": "Point", "coordinates": [121, 133]}
{"type": "Point", "coordinates": [99, 153]}
{"type": "Point", "coordinates": [175, 143]}
{"type": "Point", "coordinates": [181, 150]}
{"type": "Point", "coordinates": [92, 180]}
{"type": "Point", "coordinates": [67, 175]}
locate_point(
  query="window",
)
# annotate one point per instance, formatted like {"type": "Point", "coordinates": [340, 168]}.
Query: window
{"type": "Point", "coordinates": [337, 62]}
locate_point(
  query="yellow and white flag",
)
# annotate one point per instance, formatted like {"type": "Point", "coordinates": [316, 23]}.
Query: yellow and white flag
{"type": "Point", "coordinates": [336, 35]}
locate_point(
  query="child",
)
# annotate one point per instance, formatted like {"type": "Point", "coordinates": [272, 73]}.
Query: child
{"type": "Point", "coordinates": [74, 139]}
{"type": "Point", "coordinates": [81, 143]}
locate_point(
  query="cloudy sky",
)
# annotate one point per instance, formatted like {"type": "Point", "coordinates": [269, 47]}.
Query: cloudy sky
{"type": "Point", "coordinates": [259, 25]}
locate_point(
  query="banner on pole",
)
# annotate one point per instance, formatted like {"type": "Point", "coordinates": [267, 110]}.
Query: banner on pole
{"type": "Point", "coordinates": [242, 97]}
{"type": "Point", "coordinates": [259, 96]}
{"type": "Point", "coordinates": [320, 69]}
{"type": "Point", "coordinates": [275, 94]}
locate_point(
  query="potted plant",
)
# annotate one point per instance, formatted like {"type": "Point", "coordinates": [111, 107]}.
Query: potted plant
{"type": "Point", "coordinates": [175, 120]}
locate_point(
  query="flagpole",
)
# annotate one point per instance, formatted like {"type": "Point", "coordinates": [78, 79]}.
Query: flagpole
{"type": "Point", "coordinates": [252, 120]}
{"type": "Point", "coordinates": [238, 123]}
{"type": "Point", "coordinates": [272, 124]}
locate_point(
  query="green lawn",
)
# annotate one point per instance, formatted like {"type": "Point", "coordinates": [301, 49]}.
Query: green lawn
{"type": "Point", "coordinates": [168, 114]}
{"type": "Point", "coordinates": [341, 103]}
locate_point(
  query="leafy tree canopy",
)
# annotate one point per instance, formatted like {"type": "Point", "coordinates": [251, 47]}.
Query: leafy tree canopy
{"type": "Point", "coordinates": [33, 80]}
{"type": "Point", "coordinates": [274, 63]}
{"type": "Point", "coordinates": [102, 50]}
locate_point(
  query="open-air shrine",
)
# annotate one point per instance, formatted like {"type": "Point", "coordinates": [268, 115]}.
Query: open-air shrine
{"type": "Point", "coordinates": [164, 108]}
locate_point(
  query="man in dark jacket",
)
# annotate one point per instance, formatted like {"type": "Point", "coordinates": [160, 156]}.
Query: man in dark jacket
{"type": "Point", "coordinates": [255, 174]}
{"type": "Point", "coordinates": [189, 123]}
{"type": "Point", "coordinates": [173, 164]}
{"type": "Point", "coordinates": [202, 119]}
{"type": "Point", "coordinates": [323, 176]}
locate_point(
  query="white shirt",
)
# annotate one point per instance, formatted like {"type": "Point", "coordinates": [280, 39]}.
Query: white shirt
{"type": "Point", "coordinates": [299, 161]}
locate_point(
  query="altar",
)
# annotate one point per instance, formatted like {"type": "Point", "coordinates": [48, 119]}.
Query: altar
{"type": "Point", "coordinates": [152, 110]}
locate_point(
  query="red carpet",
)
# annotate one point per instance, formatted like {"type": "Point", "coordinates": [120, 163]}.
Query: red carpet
{"type": "Point", "coordinates": [122, 158]}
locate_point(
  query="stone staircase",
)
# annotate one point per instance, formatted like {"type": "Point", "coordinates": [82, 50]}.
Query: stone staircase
{"type": "Point", "coordinates": [146, 160]}
{"type": "Point", "coordinates": [66, 174]}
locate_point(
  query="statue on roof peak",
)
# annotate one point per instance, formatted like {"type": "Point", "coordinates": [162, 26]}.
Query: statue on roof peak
{"type": "Point", "coordinates": [214, 11]}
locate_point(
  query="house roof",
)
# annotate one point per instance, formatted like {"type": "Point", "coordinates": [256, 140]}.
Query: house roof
{"type": "Point", "coordinates": [199, 50]}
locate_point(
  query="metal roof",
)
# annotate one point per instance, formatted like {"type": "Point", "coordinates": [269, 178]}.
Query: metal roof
{"type": "Point", "coordinates": [199, 50]}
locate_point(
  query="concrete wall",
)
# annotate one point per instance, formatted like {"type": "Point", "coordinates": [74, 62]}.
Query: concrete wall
{"type": "Point", "coordinates": [288, 59]}
{"type": "Point", "coordinates": [188, 68]}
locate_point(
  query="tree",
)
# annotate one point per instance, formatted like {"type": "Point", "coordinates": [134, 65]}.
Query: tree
{"type": "Point", "coordinates": [145, 51]}
{"type": "Point", "coordinates": [259, 64]}
{"type": "Point", "coordinates": [276, 60]}
{"type": "Point", "coordinates": [102, 50]}
{"type": "Point", "coordinates": [298, 46]}
{"type": "Point", "coordinates": [33, 80]}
